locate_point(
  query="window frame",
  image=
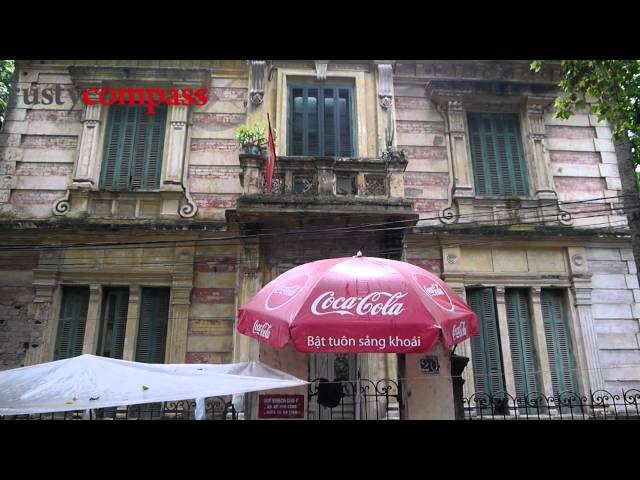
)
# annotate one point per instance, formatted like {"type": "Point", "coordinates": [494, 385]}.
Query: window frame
{"type": "Point", "coordinates": [321, 124]}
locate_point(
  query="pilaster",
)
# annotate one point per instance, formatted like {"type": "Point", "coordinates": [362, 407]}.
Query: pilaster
{"type": "Point", "coordinates": [131, 331]}
{"type": "Point", "coordinates": [503, 326]}
{"type": "Point", "coordinates": [246, 349]}
{"type": "Point", "coordinates": [181, 286]}
{"type": "Point", "coordinates": [542, 175]}
{"type": "Point", "coordinates": [92, 326]}
{"type": "Point", "coordinates": [175, 142]}
{"type": "Point", "coordinates": [86, 171]}
{"type": "Point", "coordinates": [462, 182]}
{"type": "Point", "coordinates": [580, 296]}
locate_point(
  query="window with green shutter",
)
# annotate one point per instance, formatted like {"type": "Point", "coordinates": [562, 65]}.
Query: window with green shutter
{"type": "Point", "coordinates": [523, 354]}
{"type": "Point", "coordinates": [152, 329]}
{"type": "Point", "coordinates": [115, 307]}
{"type": "Point", "coordinates": [320, 121]}
{"type": "Point", "coordinates": [559, 345]}
{"type": "Point", "coordinates": [72, 322]}
{"type": "Point", "coordinates": [499, 166]}
{"type": "Point", "coordinates": [133, 148]}
{"type": "Point", "coordinates": [485, 347]}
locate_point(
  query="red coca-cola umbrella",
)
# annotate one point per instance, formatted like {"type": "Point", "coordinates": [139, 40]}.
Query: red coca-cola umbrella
{"type": "Point", "coordinates": [358, 305]}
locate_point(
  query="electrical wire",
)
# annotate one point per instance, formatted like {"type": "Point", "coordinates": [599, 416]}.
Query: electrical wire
{"type": "Point", "coordinates": [307, 231]}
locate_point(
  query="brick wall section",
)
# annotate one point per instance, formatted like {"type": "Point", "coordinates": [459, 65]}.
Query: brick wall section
{"type": "Point", "coordinates": [16, 307]}
{"type": "Point", "coordinates": [429, 258]}
{"type": "Point", "coordinates": [213, 305]}
{"type": "Point", "coordinates": [583, 163]}
{"type": "Point", "coordinates": [38, 145]}
{"type": "Point", "coordinates": [214, 166]}
{"type": "Point", "coordinates": [420, 132]}
{"type": "Point", "coordinates": [616, 315]}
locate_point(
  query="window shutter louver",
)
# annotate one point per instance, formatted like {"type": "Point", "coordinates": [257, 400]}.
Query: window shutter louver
{"type": "Point", "coordinates": [72, 322]}
{"type": "Point", "coordinates": [485, 347]}
{"type": "Point", "coordinates": [152, 330]}
{"type": "Point", "coordinates": [559, 345]}
{"type": "Point", "coordinates": [497, 155]}
{"type": "Point", "coordinates": [133, 152]}
{"type": "Point", "coordinates": [523, 354]}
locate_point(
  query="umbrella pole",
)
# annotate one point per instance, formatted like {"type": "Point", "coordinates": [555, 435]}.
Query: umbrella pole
{"type": "Point", "coordinates": [358, 395]}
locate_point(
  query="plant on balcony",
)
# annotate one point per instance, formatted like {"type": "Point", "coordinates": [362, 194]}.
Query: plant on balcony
{"type": "Point", "coordinates": [390, 152]}
{"type": "Point", "coordinates": [252, 139]}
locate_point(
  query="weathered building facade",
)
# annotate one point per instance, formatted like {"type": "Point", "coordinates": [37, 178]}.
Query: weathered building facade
{"type": "Point", "coordinates": [456, 166]}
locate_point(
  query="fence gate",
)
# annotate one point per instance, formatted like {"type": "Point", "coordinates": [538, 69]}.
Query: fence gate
{"type": "Point", "coordinates": [351, 400]}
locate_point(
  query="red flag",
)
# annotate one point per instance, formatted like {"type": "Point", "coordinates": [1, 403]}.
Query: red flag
{"type": "Point", "coordinates": [271, 162]}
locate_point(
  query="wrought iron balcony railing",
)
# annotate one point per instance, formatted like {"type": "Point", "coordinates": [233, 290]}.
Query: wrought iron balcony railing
{"type": "Point", "coordinates": [327, 176]}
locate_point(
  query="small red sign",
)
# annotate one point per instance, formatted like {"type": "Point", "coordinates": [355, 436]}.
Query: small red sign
{"type": "Point", "coordinates": [281, 406]}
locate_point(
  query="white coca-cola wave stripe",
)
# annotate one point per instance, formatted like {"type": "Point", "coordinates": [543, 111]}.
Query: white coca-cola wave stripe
{"type": "Point", "coordinates": [327, 303]}
{"type": "Point", "coordinates": [435, 292]}
{"type": "Point", "coordinates": [282, 294]}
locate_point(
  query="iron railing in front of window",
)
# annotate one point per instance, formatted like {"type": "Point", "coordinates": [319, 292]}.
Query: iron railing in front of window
{"type": "Point", "coordinates": [598, 405]}
{"type": "Point", "coordinates": [216, 408]}
{"type": "Point", "coordinates": [356, 177]}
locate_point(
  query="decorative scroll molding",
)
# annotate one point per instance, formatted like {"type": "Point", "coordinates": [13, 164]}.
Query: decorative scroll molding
{"type": "Point", "coordinates": [189, 209]}
{"type": "Point", "coordinates": [385, 85]}
{"type": "Point", "coordinates": [564, 217]}
{"type": "Point", "coordinates": [321, 69]}
{"type": "Point", "coordinates": [62, 206]}
{"type": "Point", "coordinates": [449, 215]}
{"type": "Point", "coordinates": [256, 89]}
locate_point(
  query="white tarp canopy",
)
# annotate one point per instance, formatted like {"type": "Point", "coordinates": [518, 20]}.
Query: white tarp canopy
{"type": "Point", "coordinates": [88, 381]}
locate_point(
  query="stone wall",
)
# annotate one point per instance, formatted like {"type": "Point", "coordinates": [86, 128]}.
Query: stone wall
{"type": "Point", "coordinates": [213, 305]}
{"type": "Point", "coordinates": [616, 314]}
{"type": "Point", "coordinates": [16, 307]}
{"type": "Point", "coordinates": [420, 132]}
{"type": "Point", "coordinates": [584, 166]}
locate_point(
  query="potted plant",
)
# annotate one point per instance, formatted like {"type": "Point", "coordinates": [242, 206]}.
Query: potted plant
{"type": "Point", "coordinates": [252, 139]}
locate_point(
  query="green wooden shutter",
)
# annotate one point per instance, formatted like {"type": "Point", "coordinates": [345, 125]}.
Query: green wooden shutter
{"type": "Point", "coordinates": [497, 155]}
{"type": "Point", "coordinates": [320, 121]}
{"type": "Point", "coordinates": [114, 322]}
{"type": "Point", "coordinates": [559, 345]}
{"type": "Point", "coordinates": [152, 329]}
{"type": "Point", "coordinates": [148, 149]}
{"type": "Point", "coordinates": [119, 149]}
{"type": "Point", "coordinates": [72, 322]}
{"type": "Point", "coordinates": [485, 347]}
{"type": "Point", "coordinates": [523, 355]}
{"type": "Point", "coordinates": [133, 148]}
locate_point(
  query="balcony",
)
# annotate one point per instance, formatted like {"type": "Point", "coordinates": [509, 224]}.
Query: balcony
{"type": "Point", "coordinates": [348, 189]}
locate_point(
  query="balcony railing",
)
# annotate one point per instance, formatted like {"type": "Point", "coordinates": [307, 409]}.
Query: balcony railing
{"type": "Point", "coordinates": [326, 176]}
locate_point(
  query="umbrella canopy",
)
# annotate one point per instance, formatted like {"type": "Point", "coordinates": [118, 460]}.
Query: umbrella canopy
{"type": "Point", "coordinates": [88, 381]}
{"type": "Point", "coordinates": [358, 305]}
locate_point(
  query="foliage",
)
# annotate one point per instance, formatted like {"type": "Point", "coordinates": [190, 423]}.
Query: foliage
{"type": "Point", "coordinates": [6, 72]}
{"type": "Point", "coordinates": [254, 136]}
{"type": "Point", "coordinates": [609, 89]}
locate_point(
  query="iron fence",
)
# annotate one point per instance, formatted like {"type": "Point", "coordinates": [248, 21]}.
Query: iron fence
{"type": "Point", "coordinates": [354, 400]}
{"type": "Point", "coordinates": [216, 408]}
{"type": "Point", "coordinates": [598, 405]}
